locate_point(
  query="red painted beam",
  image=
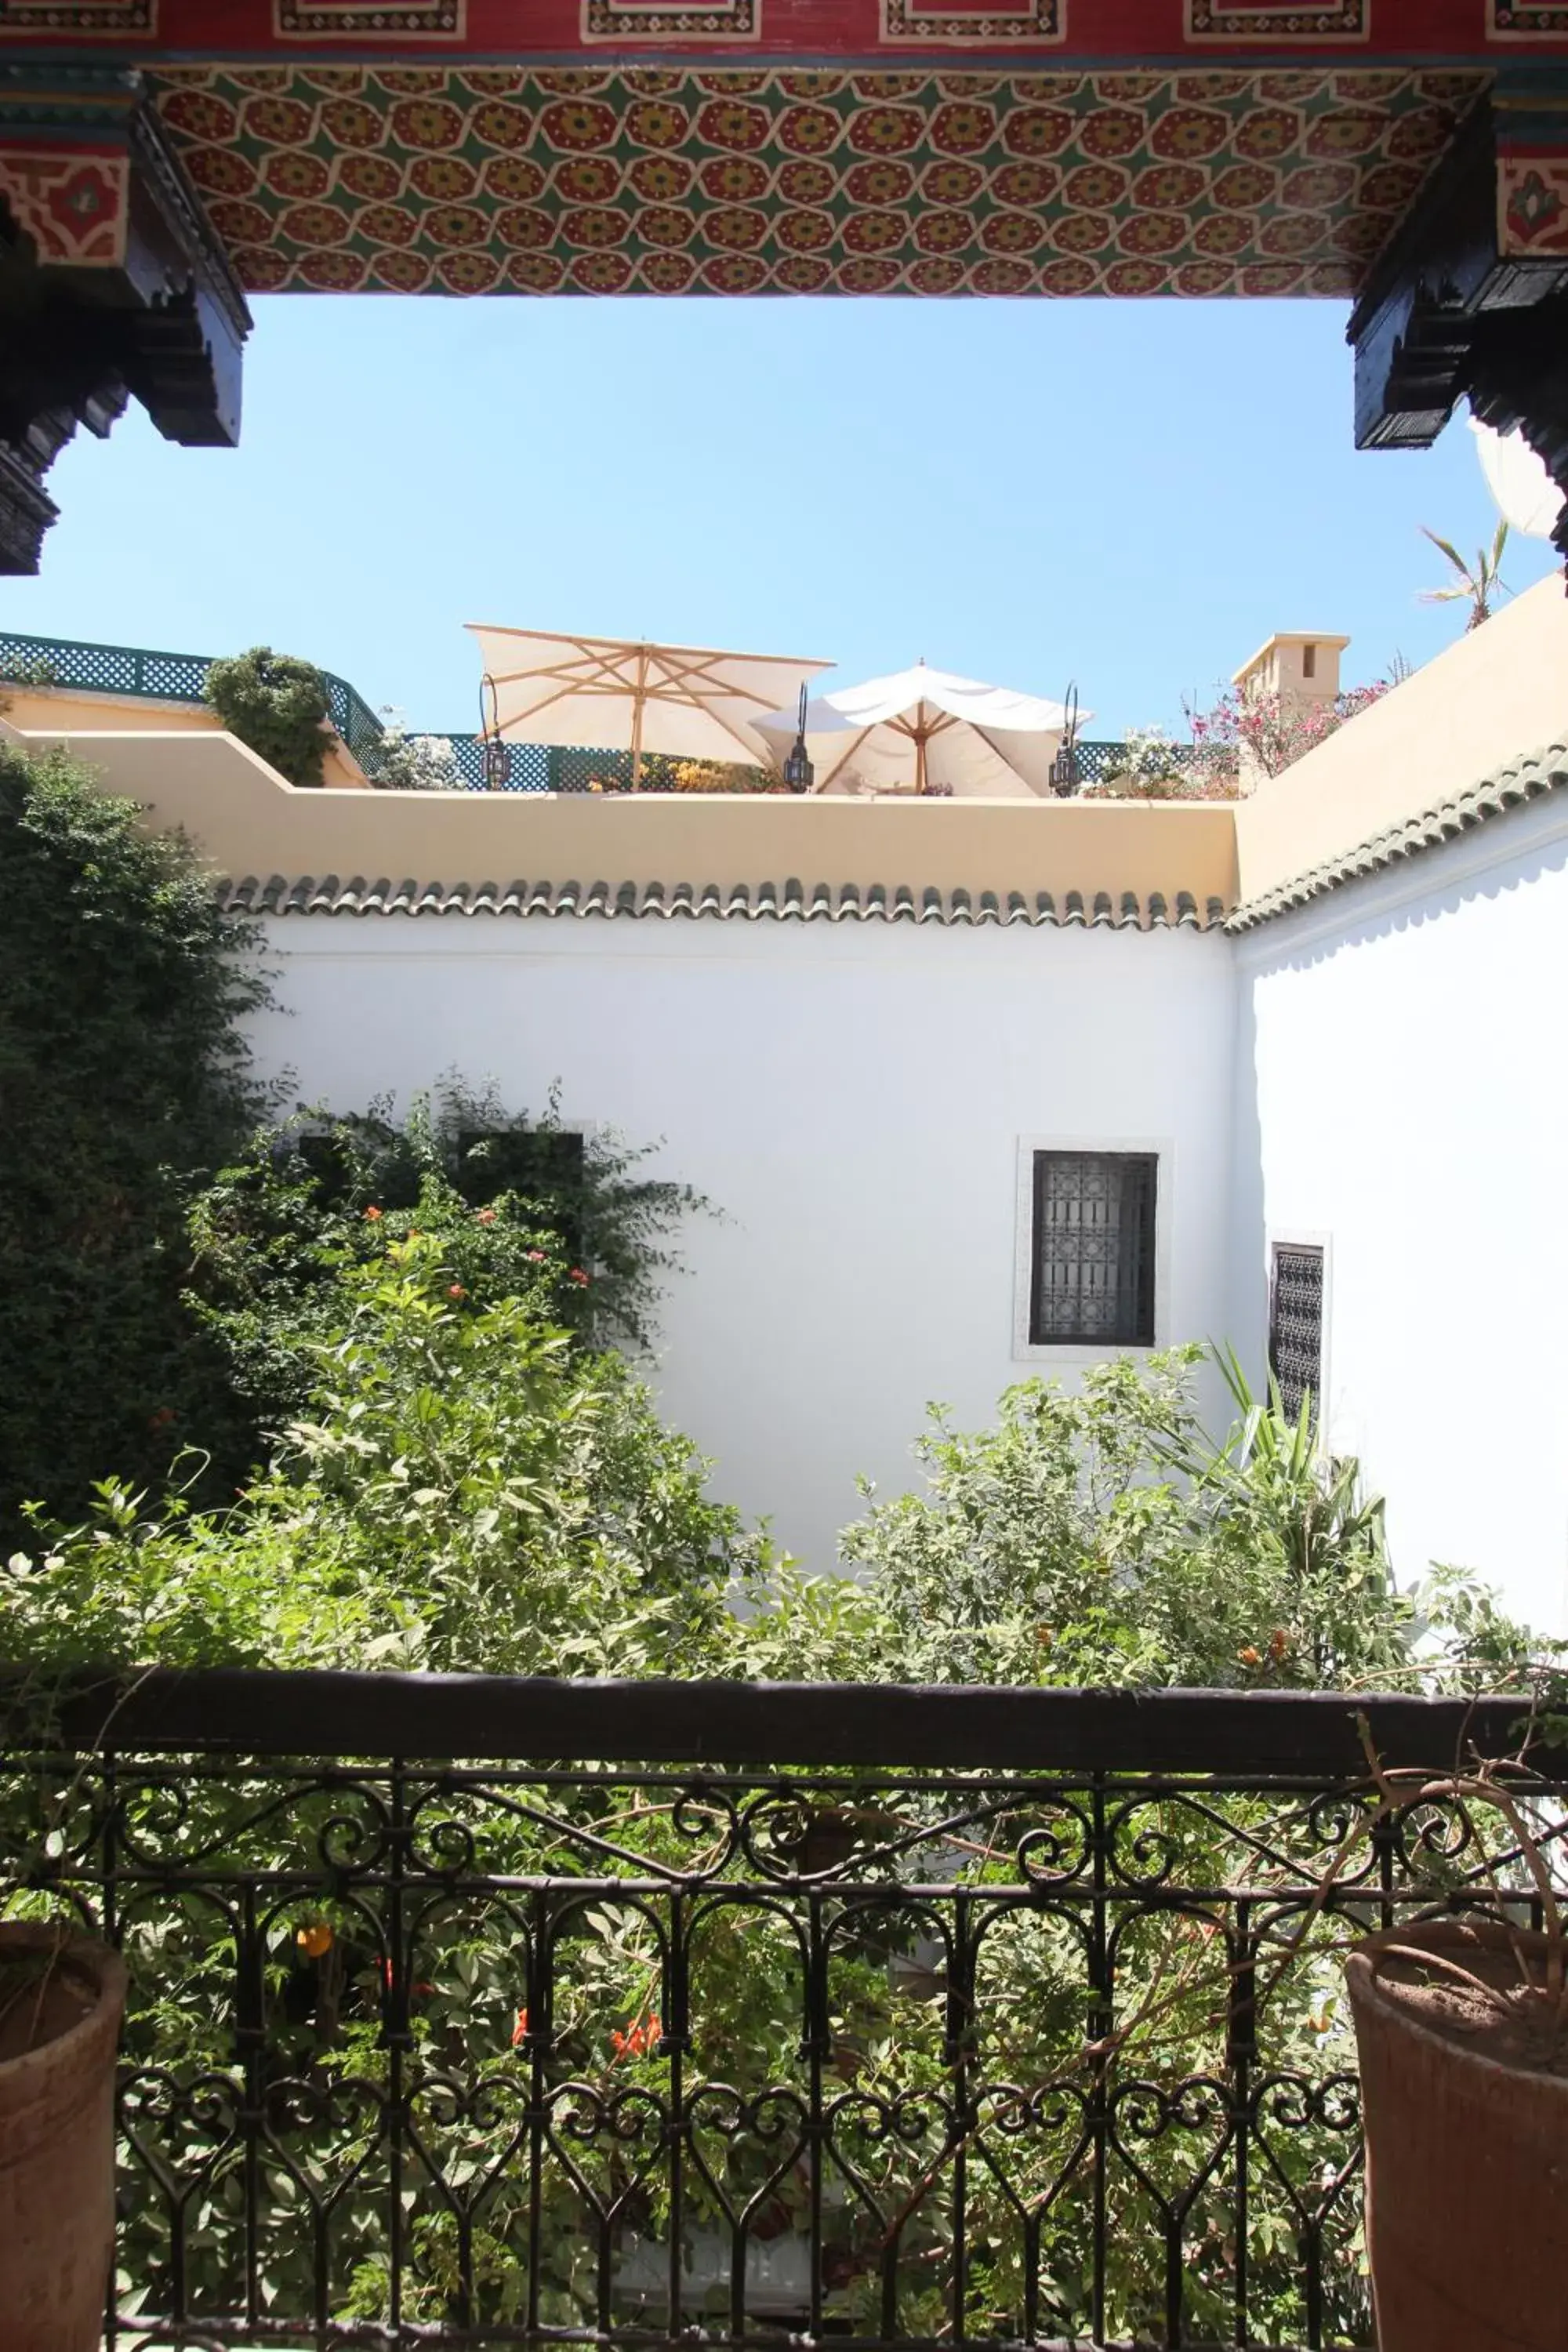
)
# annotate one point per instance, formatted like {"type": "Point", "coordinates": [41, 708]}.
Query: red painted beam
{"type": "Point", "coordinates": [1051, 31]}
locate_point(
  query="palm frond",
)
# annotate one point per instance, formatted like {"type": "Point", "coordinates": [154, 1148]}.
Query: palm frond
{"type": "Point", "coordinates": [1445, 547]}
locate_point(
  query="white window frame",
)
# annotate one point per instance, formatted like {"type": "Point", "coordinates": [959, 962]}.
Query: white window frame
{"type": "Point", "coordinates": [1070, 1355]}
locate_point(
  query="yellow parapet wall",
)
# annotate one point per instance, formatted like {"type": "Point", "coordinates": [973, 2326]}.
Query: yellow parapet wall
{"type": "Point", "coordinates": [62, 710]}
{"type": "Point", "coordinates": [1497, 693]}
{"type": "Point", "coordinates": [248, 822]}
{"type": "Point", "coordinates": [64, 713]}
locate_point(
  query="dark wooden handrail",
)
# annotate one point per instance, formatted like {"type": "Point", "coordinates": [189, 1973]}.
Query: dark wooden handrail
{"type": "Point", "coordinates": [503, 1719]}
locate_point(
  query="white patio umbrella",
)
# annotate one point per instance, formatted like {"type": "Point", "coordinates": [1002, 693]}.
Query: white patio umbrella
{"type": "Point", "coordinates": [610, 694]}
{"type": "Point", "coordinates": [928, 728]}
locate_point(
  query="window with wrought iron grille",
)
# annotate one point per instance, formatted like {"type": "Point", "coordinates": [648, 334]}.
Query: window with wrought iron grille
{"type": "Point", "coordinates": [1092, 1249]}
{"type": "Point", "coordinates": [1295, 1290]}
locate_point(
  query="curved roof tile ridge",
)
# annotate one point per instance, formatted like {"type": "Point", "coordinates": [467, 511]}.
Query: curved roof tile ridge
{"type": "Point", "coordinates": [790, 901]}
{"type": "Point", "coordinates": [1525, 778]}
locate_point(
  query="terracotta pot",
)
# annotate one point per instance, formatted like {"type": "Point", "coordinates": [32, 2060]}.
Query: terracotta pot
{"type": "Point", "coordinates": [57, 2147]}
{"type": "Point", "coordinates": [1467, 2169]}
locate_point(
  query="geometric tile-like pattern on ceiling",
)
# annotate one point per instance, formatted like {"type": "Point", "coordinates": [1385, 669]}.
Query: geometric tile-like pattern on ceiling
{"type": "Point", "coordinates": [470, 179]}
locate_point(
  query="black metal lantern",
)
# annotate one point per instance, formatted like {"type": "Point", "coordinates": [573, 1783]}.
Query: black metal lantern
{"type": "Point", "coordinates": [495, 757]}
{"type": "Point", "coordinates": [1064, 767]}
{"type": "Point", "coordinates": [798, 773]}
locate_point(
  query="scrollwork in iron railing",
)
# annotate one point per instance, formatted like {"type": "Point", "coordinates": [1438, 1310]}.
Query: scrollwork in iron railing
{"type": "Point", "coordinates": [516, 2051]}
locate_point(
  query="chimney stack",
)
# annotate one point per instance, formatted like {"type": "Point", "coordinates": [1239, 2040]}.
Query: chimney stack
{"type": "Point", "coordinates": [1302, 668]}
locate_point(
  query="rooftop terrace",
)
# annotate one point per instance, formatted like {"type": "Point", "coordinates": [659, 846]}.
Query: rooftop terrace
{"type": "Point", "coordinates": [1477, 729]}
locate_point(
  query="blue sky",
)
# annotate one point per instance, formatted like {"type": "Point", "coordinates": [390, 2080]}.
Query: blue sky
{"type": "Point", "coordinates": [1131, 494]}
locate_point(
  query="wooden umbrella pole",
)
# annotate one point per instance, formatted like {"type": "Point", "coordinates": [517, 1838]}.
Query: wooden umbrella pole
{"type": "Point", "coordinates": [638, 697]}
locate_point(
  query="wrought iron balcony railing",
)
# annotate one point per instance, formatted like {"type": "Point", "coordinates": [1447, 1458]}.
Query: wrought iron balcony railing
{"type": "Point", "coordinates": [485, 2012]}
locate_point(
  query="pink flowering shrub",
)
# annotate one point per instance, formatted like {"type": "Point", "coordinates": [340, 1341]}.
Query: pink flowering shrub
{"type": "Point", "coordinates": [1272, 729]}
{"type": "Point", "coordinates": [1277, 730]}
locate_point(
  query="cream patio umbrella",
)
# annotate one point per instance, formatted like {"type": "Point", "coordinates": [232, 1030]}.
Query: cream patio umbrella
{"type": "Point", "coordinates": [928, 728]}
{"type": "Point", "coordinates": [608, 693]}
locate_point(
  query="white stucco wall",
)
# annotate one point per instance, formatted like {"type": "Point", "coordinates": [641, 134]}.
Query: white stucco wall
{"type": "Point", "coordinates": [1399, 1092]}
{"type": "Point", "coordinates": [852, 1097]}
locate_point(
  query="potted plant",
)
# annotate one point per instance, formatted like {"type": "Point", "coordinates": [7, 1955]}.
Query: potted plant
{"type": "Point", "coordinates": [1462, 2031]}
{"type": "Point", "coordinates": [62, 1993]}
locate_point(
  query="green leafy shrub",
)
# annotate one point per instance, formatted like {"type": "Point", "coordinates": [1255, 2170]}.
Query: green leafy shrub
{"type": "Point", "coordinates": [277, 704]}
{"type": "Point", "coordinates": [468, 1488]}
{"type": "Point", "coordinates": [567, 1222]}
{"type": "Point", "coordinates": [1103, 1537]}
{"type": "Point", "coordinates": [123, 1075]}
{"type": "Point", "coordinates": [166, 1263]}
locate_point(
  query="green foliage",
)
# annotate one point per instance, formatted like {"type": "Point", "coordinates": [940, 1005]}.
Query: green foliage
{"type": "Point", "coordinates": [168, 1268]}
{"type": "Point", "coordinates": [456, 1444]}
{"type": "Point", "coordinates": [469, 1489]}
{"type": "Point", "coordinates": [277, 704]}
{"type": "Point", "coordinates": [1102, 1537]}
{"type": "Point", "coordinates": [1295, 1547]}
{"type": "Point", "coordinates": [1478, 584]}
{"type": "Point", "coordinates": [517, 1209]}
{"type": "Point", "coordinates": [122, 1071]}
